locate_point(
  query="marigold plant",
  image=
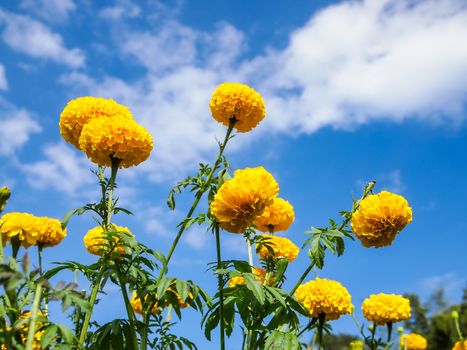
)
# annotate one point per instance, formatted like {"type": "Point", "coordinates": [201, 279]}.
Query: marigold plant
{"type": "Point", "coordinates": [323, 296]}
{"type": "Point", "coordinates": [276, 217]}
{"type": "Point", "coordinates": [239, 101]}
{"type": "Point", "coordinates": [138, 307]}
{"type": "Point", "coordinates": [282, 248]}
{"type": "Point", "coordinates": [259, 273]}
{"type": "Point", "coordinates": [384, 308]}
{"type": "Point", "coordinates": [380, 218]}
{"type": "Point", "coordinates": [413, 341]}
{"type": "Point", "coordinates": [97, 242]}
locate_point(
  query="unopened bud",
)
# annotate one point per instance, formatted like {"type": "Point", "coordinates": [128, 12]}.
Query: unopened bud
{"type": "Point", "coordinates": [455, 315]}
{"type": "Point", "coordinates": [400, 330]}
{"type": "Point", "coordinates": [4, 196]}
{"type": "Point", "coordinates": [370, 327]}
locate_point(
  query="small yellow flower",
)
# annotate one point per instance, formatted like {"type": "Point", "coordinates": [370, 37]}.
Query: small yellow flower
{"type": "Point", "coordinates": [414, 342]}
{"type": "Point", "coordinates": [384, 308]}
{"type": "Point", "coordinates": [240, 200]}
{"type": "Point", "coordinates": [460, 345]}
{"type": "Point", "coordinates": [96, 241]}
{"type": "Point", "coordinates": [239, 101]}
{"type": "Point", "coordinates": [356, 345]}
{"type": "Point", "coordinates": [283, 248]}
{"type": "Point", "coordinates": [276, 217]}
{"type": "Point", "coordinates": [182, 304]}
{"type": "Point", "coordinates": [259, 274]}
{"type": "Point", "coordinates": [80, 111]}
{"type": "Point", "coordinates": [21, 226]}
{"type": "Point", "coordinates": [137, 307]}
{"type": "Point", "coordinates": [119, 137]}
{"type": "Point", "coordinates": [380, 218]}
{"type": "Point", "coordinates": [323, 296]}
{"type": "Point", "coordinates": [50, 232]}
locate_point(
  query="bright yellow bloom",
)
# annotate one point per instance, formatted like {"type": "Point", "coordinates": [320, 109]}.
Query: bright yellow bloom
{"type": "Point", "coordinates": [276, 217]}
{"type": "Point", "coordinates": [384, 308]}
{"type": "Point", "coordinates": [118, 137]}
{"type": "Point", "coordinates": [137, 307]}
{"type": "Point", "coordinates": [182, 304]}
{"type": "Point", "coordinates": [460, 346]}
{"type": "Point", "coordinates": [356, 345]}
{"type": "Point", "coordinates": [414, 341]}
{"type": "Point", "coordinates": [240, 200]}
{"type": "Point", "coordinates": [95, 240]}
{"type": "Point", "coordinates": [259, 274]}
{"type": "Point", "coordinates": [239, 101]}
{"type": "Point", "coordinates": [283, 249]}
{"type": "Point", "coordinates": [21, 226]}
{"type": "Point", "coordinates": [50, 232]}
{"type": "Point", "coordinates": [80, 111]}
{"type": "Point", "coordinates": [323, 296]}
{"type": "Point", "coordinates": [380, 218]}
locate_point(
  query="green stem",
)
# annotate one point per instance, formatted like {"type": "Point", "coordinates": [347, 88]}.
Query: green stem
{"type": "Point", "coordinates": [32, 324]}
{"type": "Point", "coordinates": [144, 334]}
{"type": "Point", "coordinates": [129, 309]}
{"type": "Point", "coordinates": [388, 343]}
{"type": "Point", "coordinates": [220, 286]}
{"type": "Point", "coordinates": [313, 342]}
{"type": "Point", "coordinates": [307, 327]}
{"type": "Point", "coordinates": [168, 317]}
{"type": "Point", "coordinates": [250, 252]}
{"type": "Point", "coordinates": [458, 329]}
{"type": "Point", "coordinates": [113, 176]}
{"type": "Point", "coordinates": [2, 260]}
{"type": "Point", "coordinates": [321, 323]}
{"type": "Point", "coordinates": [373, 332]}
{"type": "Point", "coordinates": [198, 196]}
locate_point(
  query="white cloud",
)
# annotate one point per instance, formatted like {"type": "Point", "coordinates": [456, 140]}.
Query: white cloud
{"type": "Point", "coordinates": [52, 10]}
{"type": "Point", "coordinates": [33, 38]}
{"type": "Point", "coordinates": [121, 9]}
{"type": "Point", "coordinates": [3, 80]}
{"type": "Point", "coordinates": [17, 127]}
{"type": "Point", "coordinates": [450, 282]}
{"type": "Point", "coordinates": [63, 169]}
{"type": "Point", "coordinates": [197, 238]}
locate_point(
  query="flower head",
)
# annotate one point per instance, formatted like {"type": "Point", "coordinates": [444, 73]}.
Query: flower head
{"type": "Point", "coordinates": [380, 218]}
{"type": "Point", "coordinates": [97, 242]}
{"type": "Point", "coordinates": [282, 248]}
{"type": "Point", "coordinates": [20, 226]}
{"type": "Point", "coordinates": [240, 200]}
{"type": "Point", "coordinates": [119, 137]}
{"type": "Point", "coordinates": [80, 111]}
{"type": "Point", "coordinates": [137, 307]}
{"type": "Point", "coordinates": [414, 342]}
{"type": "Point", "coordinates": [50, 232]}
{"type": "Point", "coordinates": [460, 345]}
{"type": "Point", "coordinates": [356, 345]}
{"type": "Point", "coordinates": [259, 274]}
{"type": "Point", "coordinates": [181, 304]}
{"type": "Point", "coordinates": [239, 101]}
{"type": "Point", "coordinates": [384, 308]}
{"type": "Point", "coordinates": [322, 296]}
{"type": "Point", "coordinates": [276, 217]}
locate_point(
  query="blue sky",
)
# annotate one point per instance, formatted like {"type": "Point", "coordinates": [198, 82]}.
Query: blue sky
{"type": "Point", "coordinates": [354, 91]}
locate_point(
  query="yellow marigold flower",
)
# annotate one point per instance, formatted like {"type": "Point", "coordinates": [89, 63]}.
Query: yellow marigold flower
{"type": "Point", "coordinates": [283, 249]}
{"type": "Point", "coordinates": [119, 137]}
{"type": "Point", "coordinates": [50, 232]}
{"type": "Point", "coordinates": [80, 111]}
{"type": "Point", "coordinates": [356, 345]}
{"type": "Point", "coordinates": [182, 304]}
{"type": "Point", "coordinates": [414, 341]}
{"type": "Point", "coordinates": [21, 226]}
{"type": "Point", "coordinates": [239, 101]}
{"type": "Point", "coordinates": [460, 346]}
{"type": "Point", "coordinates": [323, 296]}
{"type": "Point", "coordinates": [259, 274]}
{"type": "Point", "coordinates": [137, 307]}
{"type": "Point", "coordinates": [384, 308]}
{"type": "Point", "coordinates": [95, 240]}
{"type": "Point", "coordinates": [276, 217]}
{"type": "Point", "coordinates": [240, 200]}
{"type": "Point", "coordinates": [380, 218]}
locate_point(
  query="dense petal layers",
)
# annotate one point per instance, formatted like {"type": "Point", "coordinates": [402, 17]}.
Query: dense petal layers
{"type": "Point", "coordinates": [383, 308]}
{"type": "Point", "coordinates": [50, 232]}
{"type": "Point", "coordinates": [282, 248]}
{"type": "Point", "coordinates": [97, 242]}
{"type": "Point", "coordinates": [414, 341]}
{"type": "Point", "coordinates": [259, 273]}
{"type": "Point", "coordinates": [137, 307]}
{"type": "Point", "coordinates": [240, 200]}
{"type": "Point", "coordinates": [276, 217]}
{"type": "Point", "coordinates": [239, 101]}
{"type": "Point", "coordinates": [20, 226]}
{"type": "Point", "coordinates": [120, 138]}
{"type": "Point", "coordinates": [460, 345]}
{"type": "Point", "coordinates": [323, 296]}
{"type": "Point", "coordinates": [80, 111]}
{"type": "Point", "coordinates": [379, 218]}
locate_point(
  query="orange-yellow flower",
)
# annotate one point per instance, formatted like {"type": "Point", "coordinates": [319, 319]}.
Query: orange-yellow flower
{"type": "Point", "coordinates": [97, 242]}
{"type": "Point", "coordinates": [414, 342]}
{"type": "Point", "coordinates": [239, 101]}
{"type": "Point", "coordinates": [276, 217]}
{"type": "Point", "coordinates": [282, 248]}
{"type": "Point", "coordinates": [80, 111]}
{"type": "Point", "coordinates": [322, 296]}
{"type": "Point", "coordinates": [383, 308]}
{"type": "Point", "coordinates": [119, 137]}
{"type": "Point", "coordinates": [380, 218]}
{"type": "Point", "coordinates": [137, 307]}
{"type": "Point", "coordinates": [20, 226]}
{"type": "Point", "coordinates": [240, 200]}
{"type": "Point", "coordinates": [259, 274]}
{"type": "Point", "coordinates": [50, 232]}
{"type": "Point", "coordinates": [460, 345]}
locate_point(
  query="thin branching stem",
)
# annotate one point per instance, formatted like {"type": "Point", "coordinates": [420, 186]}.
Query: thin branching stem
{"type": "Point", "coordinates": [220, 287]}
{"type": "Point", "coordinates": [34, 311]}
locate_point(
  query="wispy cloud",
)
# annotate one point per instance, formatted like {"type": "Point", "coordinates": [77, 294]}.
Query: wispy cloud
{"type": "Point", "coordinates": [450, 282]}
{"type": "Point", "coordinates": [31, 37]}
{"type": "Point", "coordinates": [3, 80]}
{"type": "Point", "coordinates": [50, 10]}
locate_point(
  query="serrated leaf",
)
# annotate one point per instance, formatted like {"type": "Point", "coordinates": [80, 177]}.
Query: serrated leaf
{"type": "Point", "coordinates": [255, 287]}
